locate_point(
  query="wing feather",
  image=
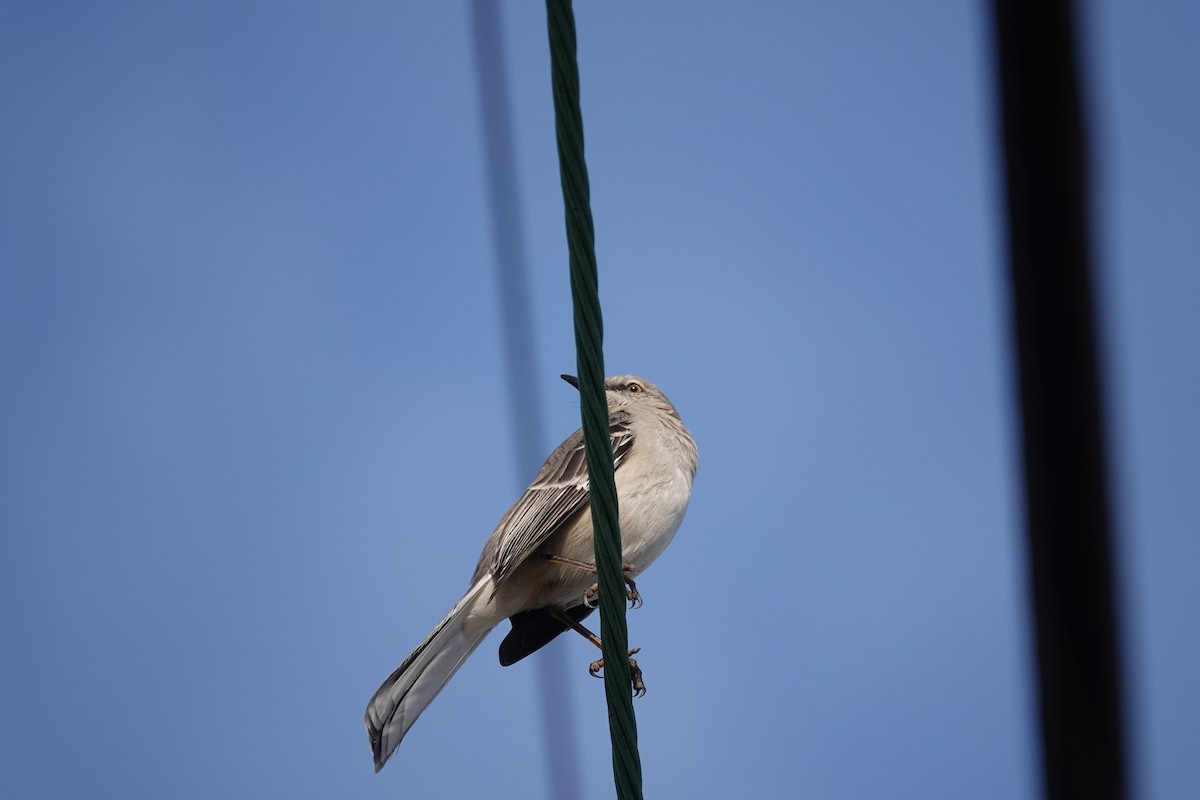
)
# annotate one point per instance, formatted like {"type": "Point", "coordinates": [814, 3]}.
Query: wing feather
{"type": "Point", "coordinates": [557, 494]}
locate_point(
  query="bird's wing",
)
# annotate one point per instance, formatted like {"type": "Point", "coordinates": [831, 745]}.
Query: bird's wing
{"type": "Point", "coordinates": [559, 492]}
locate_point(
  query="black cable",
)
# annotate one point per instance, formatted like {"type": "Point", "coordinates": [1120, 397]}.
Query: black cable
{"type": "Point", "coordinates": [520, 358]}
{"type": "Point", "coordinates": [1062, 408]}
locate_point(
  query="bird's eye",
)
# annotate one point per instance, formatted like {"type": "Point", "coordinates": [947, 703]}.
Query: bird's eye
{"type": "Point", "coordinates": [634, 388]}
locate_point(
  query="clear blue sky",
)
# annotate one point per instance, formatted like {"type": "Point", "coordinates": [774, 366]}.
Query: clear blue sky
{"type": "Point", "coordinates": [253, 427]}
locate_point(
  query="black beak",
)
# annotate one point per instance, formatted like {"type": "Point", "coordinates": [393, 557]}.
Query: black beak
{"type": "Point", "coordinates": [571, 379]}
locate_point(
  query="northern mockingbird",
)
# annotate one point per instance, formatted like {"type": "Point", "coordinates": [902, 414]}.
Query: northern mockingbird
{"type": "Point", "coordinates": [537, 568]}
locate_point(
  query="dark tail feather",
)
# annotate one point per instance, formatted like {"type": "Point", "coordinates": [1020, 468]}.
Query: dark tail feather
{"type": "Point", "coordinates": [533, 630]}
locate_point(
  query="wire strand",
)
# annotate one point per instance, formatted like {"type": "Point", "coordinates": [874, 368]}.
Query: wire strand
{"type": "Point", "coordinates": [589, 347]}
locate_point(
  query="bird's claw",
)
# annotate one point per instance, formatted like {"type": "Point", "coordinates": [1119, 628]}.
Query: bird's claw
{"type": "Point", "coordinates": [635, 672]}
{"type": "Point", "coordinates": [635, 676]}
{"type": "Point", "coordinates": [631, 594]}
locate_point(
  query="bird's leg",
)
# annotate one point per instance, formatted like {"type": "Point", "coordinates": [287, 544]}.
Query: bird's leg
{"type": "Point", "coordinates": [635, 672]}
{"type": "Point", "coordinates": [589, 597]}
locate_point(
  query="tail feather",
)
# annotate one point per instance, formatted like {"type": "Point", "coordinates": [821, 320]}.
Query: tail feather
{"type": "Point", "coordinates": [414, 684]}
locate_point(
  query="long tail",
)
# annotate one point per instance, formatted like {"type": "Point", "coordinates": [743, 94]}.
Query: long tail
{"type": "Point", "coordinates": [414, 684]}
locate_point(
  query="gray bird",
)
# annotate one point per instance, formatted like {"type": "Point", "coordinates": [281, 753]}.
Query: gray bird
{"type": "Point", "coordinates": [537, 568]}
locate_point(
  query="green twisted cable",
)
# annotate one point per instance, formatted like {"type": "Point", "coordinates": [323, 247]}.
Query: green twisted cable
{"type": "Point", "coordinates": [589, 339]}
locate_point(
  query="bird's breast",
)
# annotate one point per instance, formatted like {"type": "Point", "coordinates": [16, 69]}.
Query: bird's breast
{"type": "Point", "coordinates": [652, 507]}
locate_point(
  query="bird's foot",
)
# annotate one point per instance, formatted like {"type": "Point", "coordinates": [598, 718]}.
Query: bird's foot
{"type": "Point", "coordinates": [635, 672]}
{"type": "Point", "coordinates": [631, 592]}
